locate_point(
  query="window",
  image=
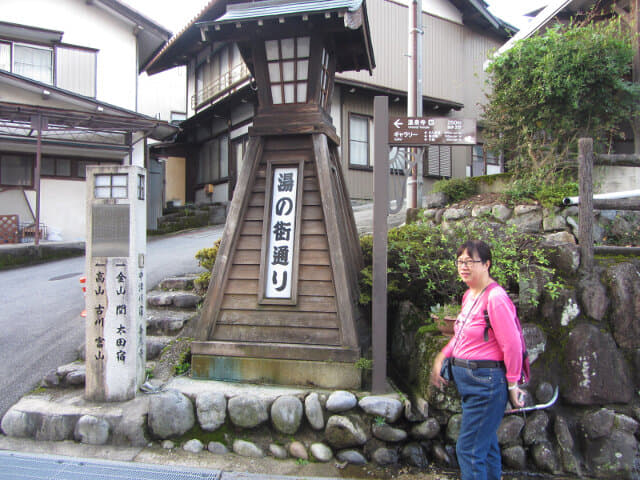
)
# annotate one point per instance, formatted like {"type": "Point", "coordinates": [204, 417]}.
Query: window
{"type": "Point", "coordinates": [200, 83]}
{"type": "Point", "coordinates": [213, 162]}
{"type": "Point", "coordinates": [324, 80]}
{"type": "Point", "coordinates": [484, 162]}
{"type": "Point", "coordinates": [438, 161]}
{"type": "Point", "coordinates": [238, 147]}
{"type": "Point", "coordinates": [5, 56]}
{"type": "Point", "coordinates": [141, 185]}
{"type": "Point", "coordinates": [55, 167]}
{"type": "Point", "coordinates": [69, 168]}
{"type": "Point", "coordinates": [33, 62]}
{"type": "Point", "coordinates": [111, 185]}
{"type": "Point", "coordinates": [288, 65]}
{"type": "Point", "coordinates": [75, 67]}
{"type": "Point", "coordinates": [359, 141]}
{"type": "Point", "coordinates": [16, 170]}
{"type": "Point", "coordinates": [177, 118]}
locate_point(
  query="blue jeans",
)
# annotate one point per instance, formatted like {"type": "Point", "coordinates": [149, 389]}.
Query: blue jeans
{"type": "Point", "coordinates": [484, 397]}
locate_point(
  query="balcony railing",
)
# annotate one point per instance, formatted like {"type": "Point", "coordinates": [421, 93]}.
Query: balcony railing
{"type": "Point", "coordinates": [220, 85]}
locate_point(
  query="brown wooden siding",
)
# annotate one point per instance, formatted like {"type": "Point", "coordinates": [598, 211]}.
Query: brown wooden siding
{"type": "Point", "coordinates": [314, 320]}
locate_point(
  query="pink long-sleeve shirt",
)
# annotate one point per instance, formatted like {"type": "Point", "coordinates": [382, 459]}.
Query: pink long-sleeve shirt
{"type": "Point", "coordinates": [504, 336]}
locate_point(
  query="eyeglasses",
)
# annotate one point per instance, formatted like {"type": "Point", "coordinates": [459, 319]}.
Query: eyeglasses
{"type": "Point", "coordinates": [466, 263]}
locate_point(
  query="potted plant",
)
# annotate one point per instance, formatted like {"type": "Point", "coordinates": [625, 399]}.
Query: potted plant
{"type": "Point", "coordinates": [444, 317]}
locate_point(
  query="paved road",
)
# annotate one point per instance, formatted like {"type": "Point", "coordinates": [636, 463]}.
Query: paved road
{"type": "Point", "coordinates": [40, 323]}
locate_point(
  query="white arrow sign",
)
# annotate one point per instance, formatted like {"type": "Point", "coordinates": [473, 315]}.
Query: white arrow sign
{"type": "Point", "coordinates": [398, 123]}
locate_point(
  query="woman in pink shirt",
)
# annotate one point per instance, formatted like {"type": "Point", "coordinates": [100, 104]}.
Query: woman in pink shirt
{"type": "Point", "coordinates": [485, 368]}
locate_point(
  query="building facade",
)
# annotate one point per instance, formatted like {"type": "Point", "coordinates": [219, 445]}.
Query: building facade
{"type": "Point", "coordinates": [69, 97]}
{"type": "Point", "coordinates": [459, 35]}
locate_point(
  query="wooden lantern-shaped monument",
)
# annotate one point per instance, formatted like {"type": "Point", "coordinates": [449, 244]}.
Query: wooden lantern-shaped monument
{"type": "Point", "coordinates": [282, 303]}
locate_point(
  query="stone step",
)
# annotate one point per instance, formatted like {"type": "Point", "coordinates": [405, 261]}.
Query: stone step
{"type": "Point", "coordinates": [184, 282]}
{"type": "Point", "coordinates": [156, 344]}
{"type": "Point", "coordinates": [175, 298]}
{"type": "Point", "coordinates": [166, 321]}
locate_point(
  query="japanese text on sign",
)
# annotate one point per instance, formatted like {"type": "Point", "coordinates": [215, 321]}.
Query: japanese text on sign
{"type": "Point", "coordinates": [282, 232]}
{"type": "Point", "coordinates": [417, 131]}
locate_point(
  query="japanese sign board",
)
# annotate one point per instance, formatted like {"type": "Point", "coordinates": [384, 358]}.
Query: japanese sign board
{"type": "Point", "coordinates": [420, 131]}
{"type": "Point", "coordinates": [282, 232]}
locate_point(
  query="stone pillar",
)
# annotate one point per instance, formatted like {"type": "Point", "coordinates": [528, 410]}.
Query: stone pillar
{"type": "Point", "coordinates": [116, 290]}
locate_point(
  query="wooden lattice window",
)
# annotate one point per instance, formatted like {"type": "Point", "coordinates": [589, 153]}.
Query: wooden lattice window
{"type": "Point", "coordinates": [288, 66]}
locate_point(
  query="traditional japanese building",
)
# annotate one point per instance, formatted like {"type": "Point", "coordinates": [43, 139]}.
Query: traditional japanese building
{"type": "Point", "coordinates": [459, 35]}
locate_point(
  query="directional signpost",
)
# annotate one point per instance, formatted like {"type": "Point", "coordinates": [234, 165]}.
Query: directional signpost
{"type": "Point", "coordinates": [421, 131]}
{"type": "Point", "coordinates": [410, 132]}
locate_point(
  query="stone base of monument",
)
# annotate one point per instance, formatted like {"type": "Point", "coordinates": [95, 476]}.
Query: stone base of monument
{"type": "Point", "coordinates": [276, 364]}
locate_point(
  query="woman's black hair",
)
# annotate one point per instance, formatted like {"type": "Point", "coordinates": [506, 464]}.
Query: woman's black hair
{"type": "Point", "coordinates": [476, 248]}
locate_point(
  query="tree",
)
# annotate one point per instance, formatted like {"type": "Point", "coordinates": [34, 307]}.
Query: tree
{"type": "Point", "coordinates": [549, 90]}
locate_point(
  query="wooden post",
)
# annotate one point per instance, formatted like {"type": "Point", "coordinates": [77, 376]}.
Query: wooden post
{"type": "Point", "coordinates": [585, 208]}
{"type": "Point", "coordinates": [380, 213]}
{"type": "Point", "coordinates": [635, 24]}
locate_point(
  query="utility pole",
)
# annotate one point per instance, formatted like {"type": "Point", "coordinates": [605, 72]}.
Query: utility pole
{"type": "Point", "coordinates": [414, 97]}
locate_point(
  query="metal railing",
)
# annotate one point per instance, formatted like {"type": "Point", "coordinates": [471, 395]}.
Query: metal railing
{"type": "Point", "coordinates": [220, 85]}
{"type": "Point", "coordinates": [587, 204]}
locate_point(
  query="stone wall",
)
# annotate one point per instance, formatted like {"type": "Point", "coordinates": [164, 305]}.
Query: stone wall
{"type": "Point", "coordinates": [585, 340]}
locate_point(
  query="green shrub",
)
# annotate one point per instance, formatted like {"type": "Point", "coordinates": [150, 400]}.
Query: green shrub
{"type": "Point", "coordinates": [456, 189]}
{"type": "Point", "coordinates": [206, 259]}
{"type": "Point", "coordinates": [420, 261]}
{"type": "Point", "coordinates": [207, 256]}
{"type": "Point", "coordinates": [538, 187]}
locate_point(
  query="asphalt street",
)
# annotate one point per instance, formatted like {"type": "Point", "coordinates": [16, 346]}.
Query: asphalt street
{"type": "Point", "coordinates": [40, 323]}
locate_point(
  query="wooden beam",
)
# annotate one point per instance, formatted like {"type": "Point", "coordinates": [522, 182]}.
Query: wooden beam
{"type": "Point", "coordinates": [213, 301]}
{"type": "Point", "coordinates": [337, 249]}
{"type": "Point", "coordinates": [276, 350]}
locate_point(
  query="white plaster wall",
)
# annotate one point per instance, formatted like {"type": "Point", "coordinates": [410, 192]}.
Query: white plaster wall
{"type": "Point", "coordinates": [162, 93]}
{"type": "Point", "coordinates": [87, 25]}
{"type": "Point", "coordinates": [220, 194]}
{"type": "Point", "coordinates": [616, 179]}
{"type": "Point", "coordinates": [138, 152]}
{"type": "Point", "coordinates": [62, 207]}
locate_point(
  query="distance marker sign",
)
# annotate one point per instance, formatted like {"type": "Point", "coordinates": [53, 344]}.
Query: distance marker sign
{"type": "Point", "coordinates": [419, 131]}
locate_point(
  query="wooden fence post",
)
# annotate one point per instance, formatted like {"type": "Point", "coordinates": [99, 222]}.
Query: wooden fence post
{"type": "Point", "coordinates": [585, 208]}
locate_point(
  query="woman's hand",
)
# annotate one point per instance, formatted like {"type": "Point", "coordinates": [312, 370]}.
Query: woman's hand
{"type": "Point", "coordinates": [436, 378]}
{"type": "Point", "coordinates": [516, 396]}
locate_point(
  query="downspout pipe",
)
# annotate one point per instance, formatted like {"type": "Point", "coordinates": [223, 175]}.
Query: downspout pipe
{"type": "Point", "coordinates": [604, 196]}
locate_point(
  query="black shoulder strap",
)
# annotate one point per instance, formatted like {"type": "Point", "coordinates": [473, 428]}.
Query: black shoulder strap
{"type": "Point", "coordinates": [487, 320]}
{"type": "Point", "coordinates": [487, 326]}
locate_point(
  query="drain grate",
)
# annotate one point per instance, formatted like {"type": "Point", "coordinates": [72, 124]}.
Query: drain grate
{"type": "Point", "coordinates": [21, 466]}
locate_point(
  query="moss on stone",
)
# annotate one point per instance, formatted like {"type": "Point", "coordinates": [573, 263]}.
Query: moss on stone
{"type": "Point", "coordinates": [221, 435]}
